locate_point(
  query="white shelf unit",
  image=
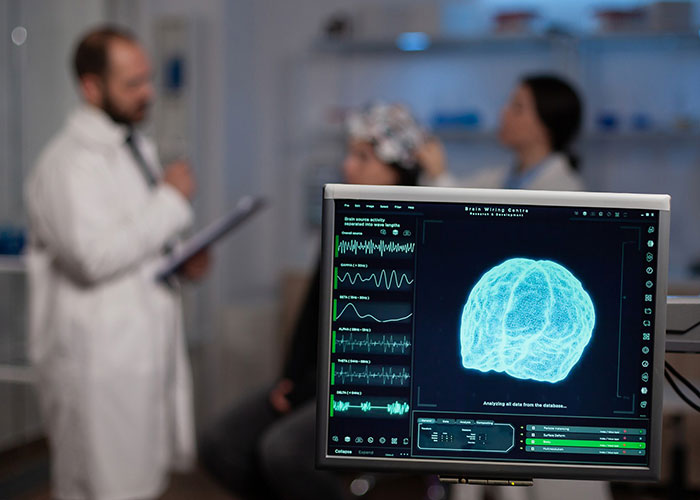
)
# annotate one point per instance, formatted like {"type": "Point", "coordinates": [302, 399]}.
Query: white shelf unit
{"type": "Point", "coordinates": [625, 74]}
{"type": "Point", "coordinates": [13, 363]}
{"type": "Point", "coordinates": [383, 46]}
{"type": "Point", "coordinates": [19, 416]}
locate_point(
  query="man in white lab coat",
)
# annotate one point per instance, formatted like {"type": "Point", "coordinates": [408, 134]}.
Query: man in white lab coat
{"type": "Point", "coordinates": [105, 336]}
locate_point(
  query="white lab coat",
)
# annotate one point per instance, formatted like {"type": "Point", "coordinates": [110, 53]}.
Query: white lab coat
{"type": "Point", "coordinates": [553, 174]}
{"type": "Point", "coordinates": [105, 338]}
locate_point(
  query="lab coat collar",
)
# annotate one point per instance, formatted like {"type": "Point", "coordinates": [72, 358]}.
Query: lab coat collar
{"type": "Point", "coordinates": [97, 127]}
{"type": "Point", "coordinates": [517, 180]}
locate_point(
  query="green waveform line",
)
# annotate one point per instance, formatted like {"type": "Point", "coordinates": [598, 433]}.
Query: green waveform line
{"type": "Point", "coordinates": [395, 408]}
{"type": "Point", "coordinates": [369, 247]}
{"type": "Point", "coordinates": [383, 276]}
{"type": "Point", "coordinates": [371, 343]}
{"type": "Point", "coordinates": [363, 316]}
{"type": "Point", "coordinates": [376, 375]}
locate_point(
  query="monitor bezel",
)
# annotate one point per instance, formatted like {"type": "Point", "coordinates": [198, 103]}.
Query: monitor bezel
{"type": "Point", "coordinates": [492, 469]}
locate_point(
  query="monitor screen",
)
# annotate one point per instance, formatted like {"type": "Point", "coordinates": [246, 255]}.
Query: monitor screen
{"type": "Point", "coordinates": [492, 333]}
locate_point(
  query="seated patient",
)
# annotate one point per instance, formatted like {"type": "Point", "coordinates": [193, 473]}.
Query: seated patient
{"type": "Point", "coordinates": [264, 446]}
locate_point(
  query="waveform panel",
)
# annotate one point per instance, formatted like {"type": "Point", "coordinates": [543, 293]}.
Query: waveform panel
{"type": "Point", "coordinates": [371, 343]}
{"type": "Point", "coordinates": [372, 312]}
{"type": "Point", "coordinates": [372, 407]}
{"type": "Point", "coordinates": [373, 247]}
{"type": "Point", "coordinates": [372, 279]}
{"type": "Point", "coordinates": [392, 376]}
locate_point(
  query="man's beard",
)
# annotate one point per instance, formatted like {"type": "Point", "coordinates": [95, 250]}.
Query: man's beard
{"type": "Point", "coordinates": [120, 116]}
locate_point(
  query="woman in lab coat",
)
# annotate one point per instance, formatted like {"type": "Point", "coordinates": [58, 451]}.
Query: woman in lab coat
{"type": "Point", "coordinates": [538, 124]}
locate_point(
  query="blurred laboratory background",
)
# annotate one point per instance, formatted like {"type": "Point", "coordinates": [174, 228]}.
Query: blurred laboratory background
{"type": "Point", "coordinates": [254, 94]}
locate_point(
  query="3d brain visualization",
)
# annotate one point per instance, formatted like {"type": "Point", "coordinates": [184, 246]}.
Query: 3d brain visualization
{"type": "Point", "coordinates": [530, 319]}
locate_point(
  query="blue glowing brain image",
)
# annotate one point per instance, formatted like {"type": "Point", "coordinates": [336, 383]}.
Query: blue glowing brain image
{"type": "Point", "coordinates": [531, 319]}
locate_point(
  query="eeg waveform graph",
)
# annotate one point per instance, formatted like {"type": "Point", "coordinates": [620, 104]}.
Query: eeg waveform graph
{"type": "Point", "coordinates": [371, 343]}
{"type": "Point", "coordinates": [372, 312]}
{"type": "Point", "coordinates": [368, 406]}
{"type": "Point", "coordinates": [373, 279]}
{"type": "Point", "coordinates": [374, 248]}
{"type": "Point", "coordinates": [376, 375]}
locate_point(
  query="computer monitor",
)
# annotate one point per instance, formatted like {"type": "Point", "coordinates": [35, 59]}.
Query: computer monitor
{"type": "Point", "coordinates": [492, 334]}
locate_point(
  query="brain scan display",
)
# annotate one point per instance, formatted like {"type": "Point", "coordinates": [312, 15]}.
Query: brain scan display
{"type": "Point", "coordinates": [530, 319]}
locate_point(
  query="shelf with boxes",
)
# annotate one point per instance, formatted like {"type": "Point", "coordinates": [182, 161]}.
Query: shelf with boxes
{"type": "Point", "coordinates": [418, 42]}
{"type": "Point", "coordinates": [617, 115]}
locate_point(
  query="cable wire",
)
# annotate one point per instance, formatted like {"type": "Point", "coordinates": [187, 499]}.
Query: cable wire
{"type": "Point", "coordinates": [675, 387]}
{"type": "Point", "coordinates": [682, 379]}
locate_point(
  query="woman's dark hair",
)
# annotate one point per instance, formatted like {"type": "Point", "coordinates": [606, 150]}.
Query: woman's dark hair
{"type": "Point", "coordinates": [560, 110]}
{"type": "Point", "coordinates": [407, 176]}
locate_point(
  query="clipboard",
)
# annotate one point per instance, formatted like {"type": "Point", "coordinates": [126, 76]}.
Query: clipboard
{"type": "Point", "coordinates": [242, 211]}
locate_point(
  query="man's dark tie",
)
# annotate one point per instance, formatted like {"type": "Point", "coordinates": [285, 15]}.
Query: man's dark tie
{"type": "Point", "coordinates": [150, 180]}
{"type": "Point", "coordinates": [140, 160]}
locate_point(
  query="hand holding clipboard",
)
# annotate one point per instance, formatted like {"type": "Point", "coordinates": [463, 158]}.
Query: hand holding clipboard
{"type": "Point", "coordinates": [246, 207]}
